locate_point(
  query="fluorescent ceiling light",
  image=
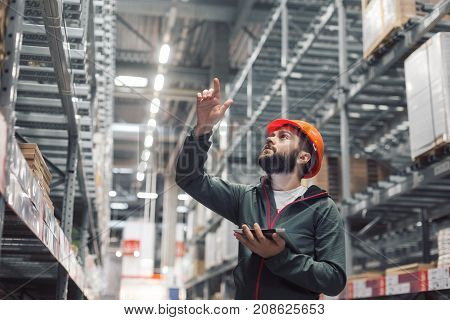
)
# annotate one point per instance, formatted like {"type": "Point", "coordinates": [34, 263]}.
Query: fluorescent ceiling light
{"type": "Point", "coordinates": [125, 127]}
{"type": "Point", "coordinates": [147, 195]}
{"type": "Point", "coordinates": [145, 155]}
{"type": "Point", "coordinates": [118, 253]}
{"type": "Point", "coordinates": [119, 205]}
{"type": "Point", "coordinates": [130, 81]}
{"type": "Point", "coordinates": [152, 123]}
{"type": "Point", "coordinates": [383, 107]}
{"type": "Point", "coordinates": [140, 176]}
{"type": "Point", "coordinates": [183, 197]}
{"type": "Point", "coordinates": [154, 105]}
{"type": "Point", "coordinates": [400, 109]}
{"type": "Point", "coordinates": [159, 82]}
{"type": "Point", "coordinates": [368, 107]}
{"type": "Point", "coordinates": [354, 115]}
{"type": "Point", "coordinates": [142, 166]}
{"type": "Point", "coordinates": [112, 193]}
{"type": "Point", "coordinates": [148, 141]}
{"type": "Point", "coordinates": [136, 254]}
{"type": "Point", "coordinates": [182, 209]}
{"type": "Point", "coordinates": [123, 170]}
{"type": "Point", "coordinates": [164, 53]}
{"type": "Point", "coordinates": [296, 75]}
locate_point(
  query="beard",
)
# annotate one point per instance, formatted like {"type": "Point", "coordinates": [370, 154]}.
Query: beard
{"type": "Point", "coordinates": [275, 163]}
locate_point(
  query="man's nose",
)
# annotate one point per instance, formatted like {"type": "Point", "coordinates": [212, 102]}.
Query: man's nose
{"type": "Point", "coordinates": [269, 139]}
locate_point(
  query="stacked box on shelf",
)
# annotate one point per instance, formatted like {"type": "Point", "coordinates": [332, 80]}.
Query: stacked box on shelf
{"type": "Point", "coordinates": [210, 250]}
{"type": "Point", "coordinates": [363, 172]}
{"type": "Point", "coordinates": [365, 285]}
{"type": "Point", "coordinates": [443, 240]}
{"type": "Point", "coordinates": [3, 13]}
{"type": "Point", "coordinates": [407, 279]}
{"type": "Point", "coordinates": [427, 76]}
{"type": "Point", "coordinates": [229, 245]}
{"type": "Point", "coordinates": [381, 18]}
{"type": "Point", "coordinates": [3, 152]}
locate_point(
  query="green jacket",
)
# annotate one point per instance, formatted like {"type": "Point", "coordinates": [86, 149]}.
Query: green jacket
{"type": "Point", "coordinates": [313, 223]}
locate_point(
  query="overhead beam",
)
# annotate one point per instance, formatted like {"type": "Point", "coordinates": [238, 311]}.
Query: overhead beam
{"type": "Point", "coordinates": [190, 10]}
{"type": "Point", "coordinates": [197, 76]}
{"type": "Point", "coordinates": [147, 93]}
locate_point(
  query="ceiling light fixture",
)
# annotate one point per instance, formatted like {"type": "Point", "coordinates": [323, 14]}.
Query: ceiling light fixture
{"type": "Point", "coordinates": [164, 53]}
{"type": "Point", "coordinates": [159, 82]}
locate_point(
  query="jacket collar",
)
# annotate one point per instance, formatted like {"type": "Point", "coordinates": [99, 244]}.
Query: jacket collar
{"type": "Point", "coordinates": [312, 190]}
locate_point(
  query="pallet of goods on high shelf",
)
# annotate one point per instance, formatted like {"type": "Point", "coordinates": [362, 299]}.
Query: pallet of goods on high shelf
{"type": "Point", "coordinates": [3, 13]}
{"type": "Point", "coordinates": [364, 172]}
{"type": "Point", "coordinates": [37, 165]}
{"type": "Point", "coordinates": [443, 241]}
{"type": "Point", "coordinates": [3, 152]}
{"type": "Point", "coordinates": [427, 76]}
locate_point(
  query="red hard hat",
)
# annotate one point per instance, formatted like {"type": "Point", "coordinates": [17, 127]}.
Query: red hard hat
{"type": "Point", "coordinates": [314, 136]}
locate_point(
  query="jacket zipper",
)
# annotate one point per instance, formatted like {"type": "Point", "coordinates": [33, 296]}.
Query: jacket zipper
{"type": "Point", "coordinates": [271, 224]}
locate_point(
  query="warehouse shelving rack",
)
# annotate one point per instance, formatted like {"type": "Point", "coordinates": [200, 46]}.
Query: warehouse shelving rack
{"type": "Point", "coordinates": [307, 76]}
{"type": "Point", "coordinates": [46, 99]}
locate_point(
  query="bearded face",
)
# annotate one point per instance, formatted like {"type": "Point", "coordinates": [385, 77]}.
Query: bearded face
{"type": "Point", "coordinates": [273, 162]}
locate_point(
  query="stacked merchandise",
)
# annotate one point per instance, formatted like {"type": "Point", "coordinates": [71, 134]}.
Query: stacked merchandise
{"type": "Point", "coordinates": [363, 173]}
{"type": "Point", "coordinates": [38, 167]}
{"type": "Point", "coordinates": [3, 13]}
{"type": "Point", "coordinates": [3, 146]}
{"type": "Point", "coordinates": [210, 250]}
{"type": "Point", "coordinates": [444, 248]}
{"type": "Point", "coordinates": [104, 39]}
{"type": "Point", "coordinates": [427, 75]}
{"type": "Point", "coordinates": [382, 18]}
{"type": "Point", "coordinates": [227, 245]}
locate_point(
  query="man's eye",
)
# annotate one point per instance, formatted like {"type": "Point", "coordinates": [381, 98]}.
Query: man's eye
{"type": "Point", "coordinates": [284, 136]}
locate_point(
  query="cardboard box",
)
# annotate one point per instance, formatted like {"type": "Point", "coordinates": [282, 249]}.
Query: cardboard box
{"type": "Point", "coordinates": [427, 76]}
{"type": "Point", "coordinates": [3, 151]}
{"type": "Point", "coordinates": [381, 18]}
{"type": "Point", "coordinates": [363, 172]}
{"type": "Point", "coordinates": [37, 164]}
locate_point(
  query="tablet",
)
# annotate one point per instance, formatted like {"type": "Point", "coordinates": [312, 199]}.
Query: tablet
{"type": "Point", "coordinates": [268, 234]}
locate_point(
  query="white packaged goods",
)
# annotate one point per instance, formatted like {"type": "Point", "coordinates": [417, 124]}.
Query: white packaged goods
{"type": "Point", "coordinates": [210, 248]}
{"type": "Point", "coordinates": [3, 135]}
{"type": "Point", "coordinates": [427, 75]}
{"type": "Point", "coordinates": [443, 240]}
{"type": "Point", "coordinates": [190, 225]}
{"type": "Point", "coordinates": [382, 17]}
{"type": "Point", "coordinates": [230, 245]}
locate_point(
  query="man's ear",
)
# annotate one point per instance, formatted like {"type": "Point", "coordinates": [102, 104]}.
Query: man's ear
{"type": "Point", "coordinates": [303, 157]}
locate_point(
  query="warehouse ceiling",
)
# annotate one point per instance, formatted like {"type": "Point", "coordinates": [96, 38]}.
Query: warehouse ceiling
{"type": "Point", "coordinates": [209, 38]}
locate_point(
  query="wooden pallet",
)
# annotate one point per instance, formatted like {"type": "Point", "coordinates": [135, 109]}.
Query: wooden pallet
{"type": "Point", "coordinates": [430, 156]}
{"type": "Point", "coordinates": [413, 267]}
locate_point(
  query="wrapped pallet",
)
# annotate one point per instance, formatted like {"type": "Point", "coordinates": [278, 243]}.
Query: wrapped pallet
{"type": "Point", "coordinates": [210, 250]}
{"type": "Point", "coordinates": [381, 18]}
{"type": "Point", "coordinates": [363, 173]}
{"type": "Point", "coordinates": [443, 241]}
{"type": "Point", "coordinates": [427, 75]}
{"type": "Point", "coordinates": [230, 245]}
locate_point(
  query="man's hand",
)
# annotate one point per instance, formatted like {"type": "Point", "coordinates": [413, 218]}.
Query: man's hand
{"type": "Point", "coordinates": [261, 245]}
{"type": "Point", "coordinates": [209, 109]}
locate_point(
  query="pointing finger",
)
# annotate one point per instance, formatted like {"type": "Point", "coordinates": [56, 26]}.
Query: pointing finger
{"type": "Point", "coordinates": [216, 87]}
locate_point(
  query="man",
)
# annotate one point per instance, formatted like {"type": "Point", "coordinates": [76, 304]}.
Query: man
{"type": "Point", "coordinates": [267, 267]}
